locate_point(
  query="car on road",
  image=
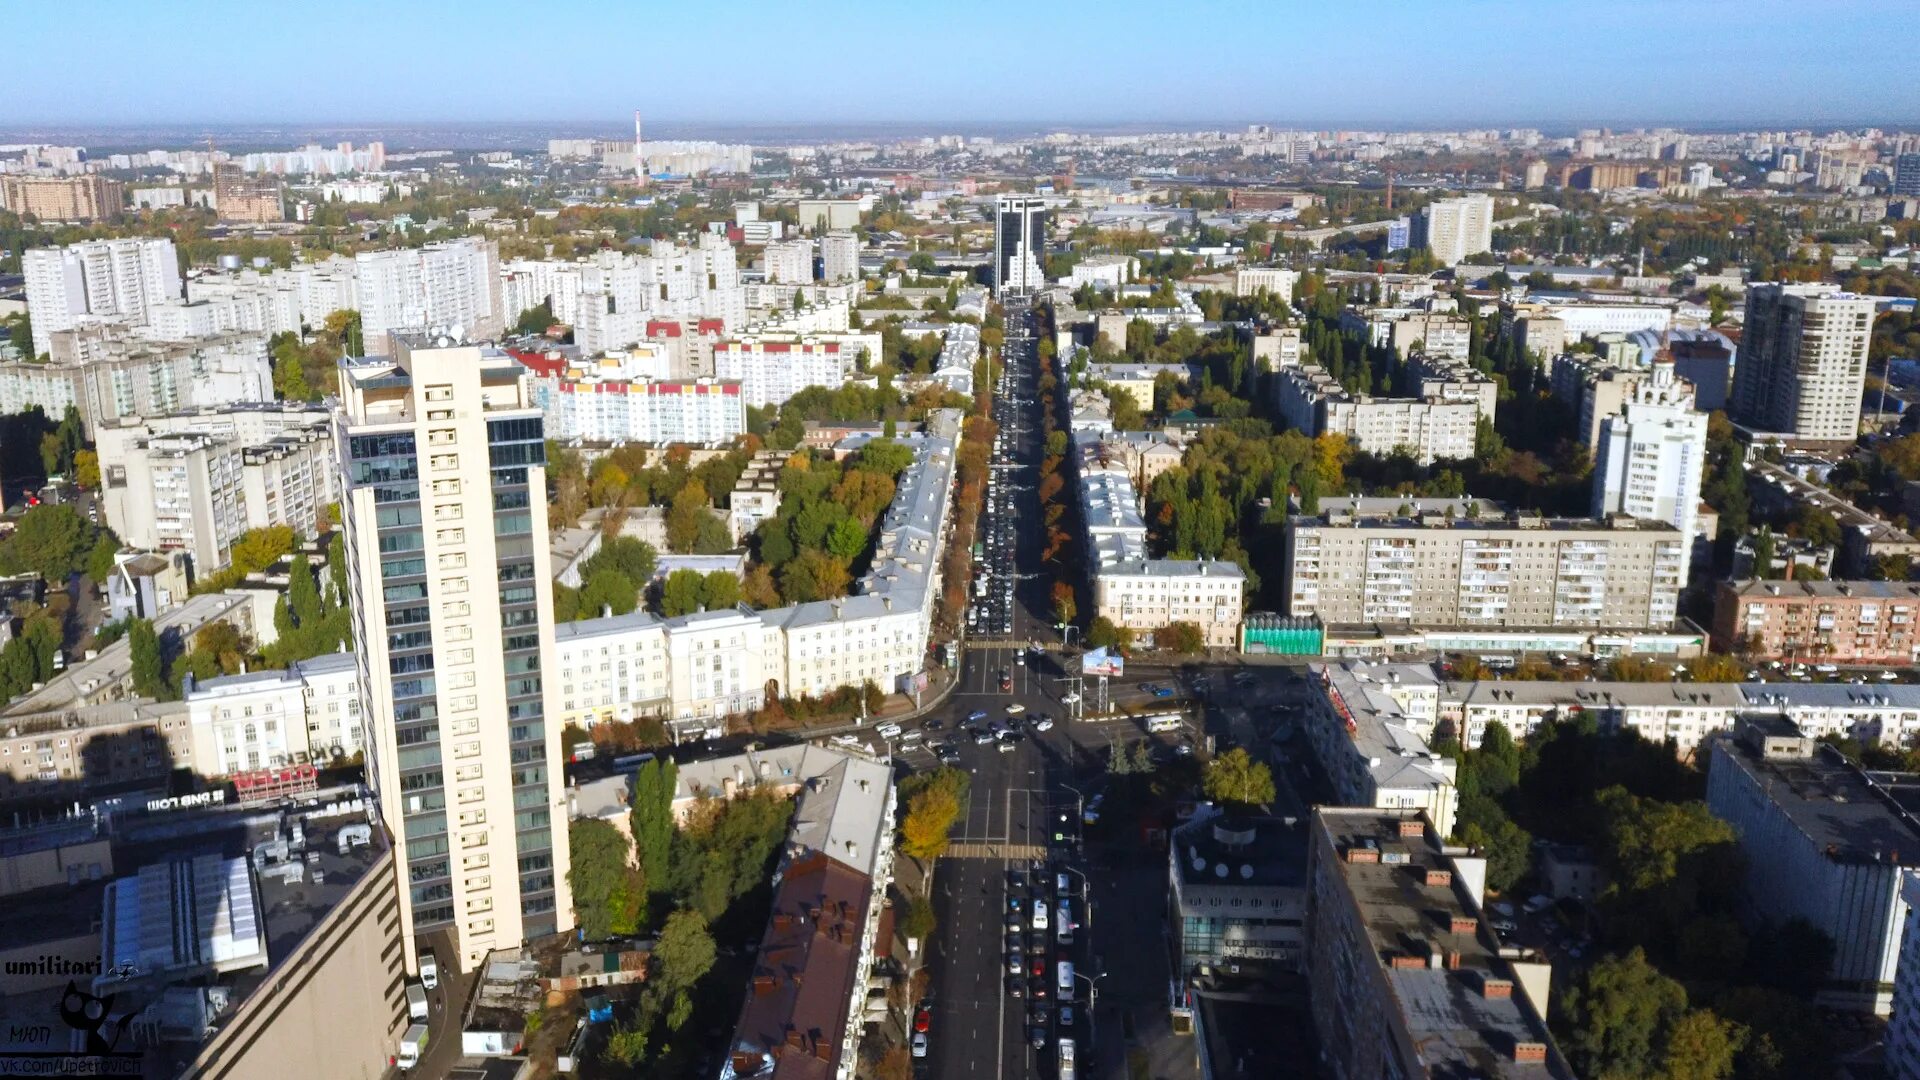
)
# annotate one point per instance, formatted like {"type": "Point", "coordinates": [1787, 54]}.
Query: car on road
{"type": "Point", "coordinates": [1014, 960]}
{"type": "Point", "coordinates": [1014, 902]}
{"type": "Point", "coordinates": [1014, 921]}
{"type": "Point", "coordinates": [1037, 1036]}
{"type": "Point", "coordinates": [1039, 916]}
{"type": "Point", "coordinates": [888, 731]}
{"type": "Point", "coordinates": [982, 738]}
{"type": "Point", "coordinates": [922, 1018]}
{"type": "Point", "coordinates": [1090, 814]}
{"type": "Point", "coordinates": [1016, 709]}
{"type": "Point", "coordinates": [919, 1044]}
{"type": "Point", "coordinates": [1016, 986]}
{"type": "Point", "coordinates": [1163, 691]}
{"type": "Point", "coordinates": [1038, 988]}
{"type": "Point", "coordinates": [1016, 879]}
{"type": "Point", "coordinates": [1043, 724]}
{"type": "Point", "coordinates": [1038, 967]}
{"type": "Point", "coordinates": [947, 755]}
{"type": "Point", "coordinates": [845, 740]}
{"type": "Point", "coordinates": [1066, 1018]}
{"type": "Point", "coordinates": [935, 725]}
{"type": "Point", "coordinates": [1007, 747]}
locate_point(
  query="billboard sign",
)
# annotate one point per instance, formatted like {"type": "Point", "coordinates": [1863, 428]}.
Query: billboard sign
{"type": "Point", "coordinates": [1103, 661]}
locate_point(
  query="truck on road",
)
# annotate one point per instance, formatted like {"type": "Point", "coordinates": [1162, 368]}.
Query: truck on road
{"type": "Point", "coordinates": [413, 1046]}
{"type": "Point", "coordinates": [416, 1001]}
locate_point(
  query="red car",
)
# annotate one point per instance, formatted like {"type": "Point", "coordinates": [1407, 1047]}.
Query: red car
{"type": "Point", "coordinates": [922, 1018]}
{"type": "Point", "coordinates": [1039, 967]}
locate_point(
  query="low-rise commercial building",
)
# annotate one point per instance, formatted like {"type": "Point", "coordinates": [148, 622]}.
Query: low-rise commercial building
{"type": "Point", "coordinates": [1238, 892]}
{"type": "Point", "coordinates": [1825, 842]}
{"type": "Point", "coordinates": [1425, 563]}
{"type": "Point", "coordinates": [1405, 976]}
{"type": "Point", "coordinates": [1145, 595]}
{"type": "Point", "coordinates": [1865, 538]}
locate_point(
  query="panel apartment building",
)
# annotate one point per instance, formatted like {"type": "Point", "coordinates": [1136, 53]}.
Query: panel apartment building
{"type": "Point", "coordinates": [97, 280]}
{"type": "Point", "coordinates": [62, 198]}
{"type": "Point", "coordinates": [1420, 562]}
{"type": "Point", "coordinates": [1439, 424]}
{"type": "Point", "coordinates": [1802, 362]}
{"type": "Point", "coordinates": [445, 519]}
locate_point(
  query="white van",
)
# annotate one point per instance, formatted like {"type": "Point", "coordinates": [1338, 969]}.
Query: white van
{"type": "Point", "coordinates": [1065, 983]}
{"type": "Point", "coordinates": [1039, 916]}
{"type": "Point", "coordinates": [888, 731]}
{"type": "Point", "coordinates": [429, 971]}
{"type": "Point", "coordinates": [1063, 923]}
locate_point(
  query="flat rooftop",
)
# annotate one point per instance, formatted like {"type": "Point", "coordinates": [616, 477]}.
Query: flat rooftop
{"type": "Point", "coordinates": [1837, 806]}
{"type": "Point", "coordinates": [1460, 1031]}
{"type": "Point", "coordinates": [1261, 852]}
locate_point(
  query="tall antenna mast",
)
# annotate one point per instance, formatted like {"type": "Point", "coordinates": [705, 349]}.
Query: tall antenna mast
{"type": "Point", "coordinates": [639, 150]}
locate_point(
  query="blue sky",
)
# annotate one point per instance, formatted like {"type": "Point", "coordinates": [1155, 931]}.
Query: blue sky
{"type": "Point", "coordinates": [1326, 63]}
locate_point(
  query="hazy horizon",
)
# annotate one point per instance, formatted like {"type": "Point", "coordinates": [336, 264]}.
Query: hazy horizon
{"type": "Point", "coordinates": [1483, 63]}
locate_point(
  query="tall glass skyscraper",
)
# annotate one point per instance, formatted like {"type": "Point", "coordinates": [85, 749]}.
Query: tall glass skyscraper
{"type": "Point", "coordinates": [445, 520]}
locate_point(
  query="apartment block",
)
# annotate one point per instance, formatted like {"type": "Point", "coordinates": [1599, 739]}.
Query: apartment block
{"type": "Point", "coordinates": [445, 519]}
{"type": "Point", "coordinates": [1406, 978]}
{"type": "Point", "coordinates": [453, 283]}
{"type": "Point", "coordinates": [789, 262]}
{"type": "Point", "coordinates": [1274, 280]}
{"type": "Point", "coordinates": [1145, 595]}
{"type": "Point", "coordinates": [1825, 842]}
{"type": "Point", "coordinates": [194, 481]}
{"type": "Point", "coordinates": [694, 671]}
{"type": "Point", "coordinates": [1541, 335]}
{"type": "Point", "coordinates": [1312, 401]}
{"type": "Point", "coordinates": [247, 199]}
{"type": "Point", "coordinates": [117, 377]}
{"type": "Point", "coordinates": [97, 281]}
{"type": "Point", "coordinates": [1455, 228]}
{"type": "Point", "coordinates": [1802, 362]}
{"type": "Point", "coordinates": [1652, 456]}
{"type": "Point", "coordinates": [1104, 272]}
{"type": "Point", "coordinates": [308, 713]}
{"type": "Point", "coordinates": [840, 257]}
{"type": "Point", "coordinates": [1594, 389]}
{"type": "Point", "coordinates": [62, 198]}
{"type": "Point", "coordinates": [1370, 726]}
{"type": "Point", "coordinates": [1410, 561]}
{"type": "Point", "coordinates": [625, 397]}
{"type": "Point", "coordinates": [1840, 622]}
{"type": "Point", "coordinates": [770, 372]}
{"type": "Point", "coordinates": [804, 1009]}
{"type": "Point", "coordinates": [1435, 333]}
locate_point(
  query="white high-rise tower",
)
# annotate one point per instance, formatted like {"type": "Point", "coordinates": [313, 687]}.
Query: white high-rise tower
{"type": "Point", "coordinates": [639, 149]}
{"type": "Point", "coordinates": [1653, 453]}
{"type": "Point", "coordinates": [445, 518]}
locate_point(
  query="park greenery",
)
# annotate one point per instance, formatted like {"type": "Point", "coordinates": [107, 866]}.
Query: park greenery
{"type": "Point", "coordinates": [1684, 988]}
{"type": "Point", "coordinates": [1236, 780]}
{"type": "Point", "coordinates": [812, 547]}
{"type": "Point", "coordinates": [699, 887]}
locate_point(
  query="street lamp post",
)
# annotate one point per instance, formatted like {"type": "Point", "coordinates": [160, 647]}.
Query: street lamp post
{"type": "Point", "coordinates": [1093, 1003]}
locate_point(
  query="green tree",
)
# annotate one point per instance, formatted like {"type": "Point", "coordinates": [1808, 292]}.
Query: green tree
{"type": "Point", "coordinates": [682, 953]}
{"type": "Point", "coordinates": [720, 590]}
{"type": "Point", "coordinates": [635, 558]}
{"type": "Point", "coordinates": [101, 560]}
{"type": "Point", "coordinates": [680, 593]}
{"type": "Point", "coordinates": [1617, 1017]}
{"type": "Point", "coordinates": [1701, 1046]}
{"type": "Point", "coordinates": [1481, 824]}
{"type": "Point", "coordinates": [652, 820]}
{"type": "Point", "coordinates": [918, 921]}
{"type": "Point", "coordinates": [627, 1046]}
{"type": "Point", "coordinates": [813, 575]}
{"type": "Point", "coordinates": [608, 591]}
{"type": "Point", "coordinates": [609, 895]}
{"type": "Point", "coordinates": [847, 540]}
{"type": "Point", "coordinates": [148, 665]}
{"type": "Point", "coordinates": [53, 541]}
{"type": "Point", "coordinates": [1236, 779]}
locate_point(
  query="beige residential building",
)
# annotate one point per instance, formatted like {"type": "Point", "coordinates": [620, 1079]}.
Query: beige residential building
{"type": "Point", "coordinates": [1144, 595]}
{"type": "Point", "coordinates": [1277, 281]}
{"type": "Point", "coordinates": [445, 518]}
{"type": "Point", "coordinates": [1802, 362]}
{"type": "Point", "coordinates": [1435, 333]}
{"type": "Point", "coordinates": [244, 198]}
{"type": "Point", "coordinates": [1455, 228]}
{"type": "Point", "coordinates": [1428, 427]}
{"type": "Point", "coordinates": [64, 198]}
{"type": "Point", "coordinates": [1412, 561]}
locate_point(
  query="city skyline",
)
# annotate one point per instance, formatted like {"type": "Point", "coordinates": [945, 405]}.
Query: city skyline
{"type": "Point", "coordinates": [1325, 68]}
